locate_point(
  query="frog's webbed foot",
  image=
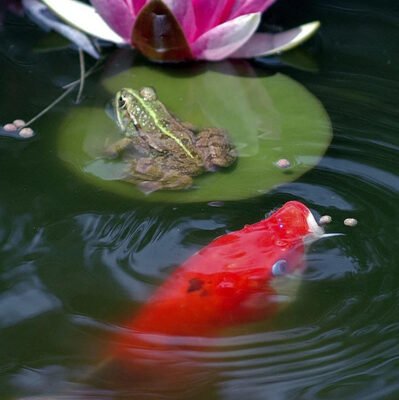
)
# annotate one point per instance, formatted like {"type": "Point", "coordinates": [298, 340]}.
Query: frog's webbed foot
{"type": "Point", "coordinates": [150, 178]}
{"type": "Point", "coordinates": [169, 183]}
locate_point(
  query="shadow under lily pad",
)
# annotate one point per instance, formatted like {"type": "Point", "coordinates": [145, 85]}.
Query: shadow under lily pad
{"type": "Point", "coordinates": [268, 118]}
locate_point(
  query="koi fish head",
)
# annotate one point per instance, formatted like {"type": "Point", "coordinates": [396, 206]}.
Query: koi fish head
{"type": "Point", "coordinates": [261, 264]}
{"type": "Point", "coordinates": [294, 220]}
{"type": "Point", "coordinates": [292, 228]}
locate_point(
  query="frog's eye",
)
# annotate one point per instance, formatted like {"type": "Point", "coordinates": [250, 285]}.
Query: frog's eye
{"type": "Point", "coordinates": [121, 101]}
{"type": "Point", "coordinates": [280, 268]}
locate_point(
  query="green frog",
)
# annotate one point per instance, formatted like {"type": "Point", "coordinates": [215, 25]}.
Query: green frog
{"type": "Point", "coordinates": [162, 152]}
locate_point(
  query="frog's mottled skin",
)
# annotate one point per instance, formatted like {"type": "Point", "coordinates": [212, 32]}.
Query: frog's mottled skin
{"type": "Point", "coordinates": [163, 152]}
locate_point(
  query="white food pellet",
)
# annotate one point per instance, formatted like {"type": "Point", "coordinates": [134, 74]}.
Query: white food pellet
{"type": "Point", "coordinates": [19, 123]}
{"type": "Point", "coordinates": [26, 133]}
{"type": "Point", "coordinates": [283, 163]}
{"type": "Point", "coordinates": [350, 222]}
{"type": "Point", "coordinates": [9, 127]}
{"type": "Point", "coordinates": [325, 219]}
{"type": "Point", "coordinates": [216, 203]}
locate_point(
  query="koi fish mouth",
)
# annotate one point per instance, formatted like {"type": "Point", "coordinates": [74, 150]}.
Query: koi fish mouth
{"type": "Point", "coordinates": [316, 232]}
{"type": "Point", "coordinates": [314, 228]}
{"type": "Point", "coordinates": [287, 278]}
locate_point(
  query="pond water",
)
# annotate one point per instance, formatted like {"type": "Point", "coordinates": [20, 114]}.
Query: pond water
{"type": "Point", "coordinates": [77, 259]}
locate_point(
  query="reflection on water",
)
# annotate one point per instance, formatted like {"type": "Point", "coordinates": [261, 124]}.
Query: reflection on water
{"type": "Point", "coordinates": [75, 261]}
{"type": "Point", "coordinates": [24, 301]}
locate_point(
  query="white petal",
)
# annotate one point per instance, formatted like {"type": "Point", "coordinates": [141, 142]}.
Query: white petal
{"type": "Point", "coordinates": [266, 44]}
{"type": "Point", "coordinates": [83, 17]}
{"type": "Point", "coordinates": [47, 20]}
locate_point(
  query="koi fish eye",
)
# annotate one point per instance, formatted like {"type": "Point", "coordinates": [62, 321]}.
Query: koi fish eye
{"type": "Point", "coordinates": [279, 268]}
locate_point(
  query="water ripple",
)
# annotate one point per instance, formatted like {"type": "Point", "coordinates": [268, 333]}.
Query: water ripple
{"type": "Point", "coordinates": [73, 267]}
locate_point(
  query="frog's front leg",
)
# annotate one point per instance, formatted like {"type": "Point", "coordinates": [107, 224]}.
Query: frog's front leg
{"type": "Point", "coordinates": [115, 149]}
{"type": "Point", "coordinates": [132, 146]}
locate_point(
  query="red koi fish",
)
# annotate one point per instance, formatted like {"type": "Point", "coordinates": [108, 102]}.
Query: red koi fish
{"type": "Point", "coordinates": [239, 277]}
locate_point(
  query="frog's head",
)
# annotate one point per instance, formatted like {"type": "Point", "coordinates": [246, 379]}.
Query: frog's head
{"type": "Point", "coordinates": [129, 106]}
{"type": "Point", "coordinates": [123, 99]}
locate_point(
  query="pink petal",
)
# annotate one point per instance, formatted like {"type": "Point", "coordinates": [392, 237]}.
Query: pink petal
{"type": "Point", "coordinates": [136, 5]}
{"type": "Point", "coordinates": [250, 6]}
{"type": "Point", "coordinates": [208, 13]}
{"type": "Point", "coordinates": [118, 14]}
{"type": "Point", "coordinates": [184, 13]}
{"type": "Point", "coordinates": [224, 39]}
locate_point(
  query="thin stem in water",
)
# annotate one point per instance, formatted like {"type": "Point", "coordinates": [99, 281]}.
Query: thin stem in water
{"type": "Point", "coordinates": [82, 76]}
{"type": "Point", "coordinates": [50, 106]}
{"type": "Point", "coordinates": [87, 74]}
{"type": "Point", "coordinates": [70, 87]}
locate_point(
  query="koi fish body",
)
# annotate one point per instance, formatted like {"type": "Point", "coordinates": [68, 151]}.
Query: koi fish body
{"type": "Point", "coordinates": [243, 276]}
{"type": "Point", "coordinates": [239, 277]}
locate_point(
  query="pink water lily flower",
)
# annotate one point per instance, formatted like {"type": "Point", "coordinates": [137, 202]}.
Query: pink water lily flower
{"type": "Point", "coordinates": [186, 29]}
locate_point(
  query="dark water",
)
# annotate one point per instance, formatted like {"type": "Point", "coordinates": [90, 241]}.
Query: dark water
{"type": "Point", "coordinates": [75, 261]}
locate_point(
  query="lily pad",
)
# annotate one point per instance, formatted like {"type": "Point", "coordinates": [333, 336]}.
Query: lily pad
{"type": "Point", "coordinates": [269, 118]}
